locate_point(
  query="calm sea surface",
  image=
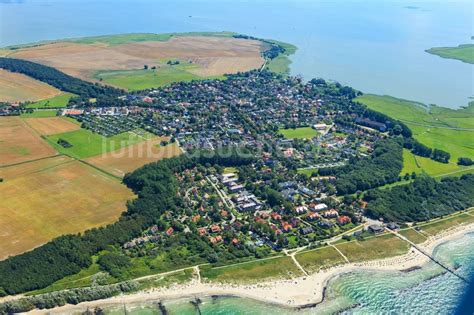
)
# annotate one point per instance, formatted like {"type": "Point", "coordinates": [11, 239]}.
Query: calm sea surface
{"type": "Point", "coordinates": [376, 46]}
{"type": "Point", "coordinates": [428, 290]}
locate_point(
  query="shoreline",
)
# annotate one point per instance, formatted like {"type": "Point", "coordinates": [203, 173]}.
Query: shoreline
{"type": "Point", "coordinates": [297, 293]}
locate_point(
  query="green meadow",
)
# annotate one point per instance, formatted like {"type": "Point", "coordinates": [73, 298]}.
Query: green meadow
{"type": "Point", "coordinates": [55, 102]}
{"type": "Point", "coordinates": [85, 143]}
{"type": "Point", "coordinates": [437, 127]}
{"type": "Point", "coordinates": [465, 53]}
{"type": "Point", "coordinates": [418, 164]}
{"type": "Point", "coordinates": [299, 133]}
{"type": "Point", "coordinates": [144, 79]}
{"type": "Point", "coordinates": [40, 114]}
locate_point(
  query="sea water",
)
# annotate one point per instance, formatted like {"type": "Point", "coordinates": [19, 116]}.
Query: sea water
{"type": "Point", "coordinates": [377, 46]}
{"type": "Point", "coordinates": [428, 290]}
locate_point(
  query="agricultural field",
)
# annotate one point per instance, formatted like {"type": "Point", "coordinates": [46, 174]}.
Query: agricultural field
{"type": "Point", "coordinates": [85, 143]}
{"type": "Point", "coordinates": [321, 258]}
{"type": "Point", "coordinates": [53, 197]}
{"type": "Point", "coordinates": [251, 272]}
{"type": "Point", "coordinates": [213, 54]}
{"type": "Point", "coordinates": [17, 87]}
{"type": "Point", "coordinates": [377, 247]}
{"type": "Point", "coordinates": [437, 127]}
{"type": "Point", "coordinates": [20, 143]}
{"type": "Point", "coordinates": [51, 125]}
{"type": "Point", "coordinates": [299, 133]}
{"type": "Point", "coordinates": [464, 53]}
{"type": "Point", "coordinates": [55, 102]}
{"type": "Point", "coordinates": [134, 156]}
{"type": "Point", "coordinates": [145, 79]}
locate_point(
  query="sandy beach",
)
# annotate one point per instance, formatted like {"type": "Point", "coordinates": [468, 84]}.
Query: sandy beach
{"type": "Point", "coordinates": [297, 292]}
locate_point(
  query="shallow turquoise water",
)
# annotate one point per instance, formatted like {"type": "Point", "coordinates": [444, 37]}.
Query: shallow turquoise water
{"type": "Point", "coordinates": [376, 46]}
{"type": "Point", "coordinates": [428, 290]}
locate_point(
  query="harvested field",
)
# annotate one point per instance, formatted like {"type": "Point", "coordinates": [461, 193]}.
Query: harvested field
{"type": "Point", "coordinates": [16, 87]}
{"type": "Point", "coordinates": [19, 143]}
{"type": "Point", "coordinates": [132, 157]}
{"type": "Point", "coordinates": [51, 197]}
{"type": "Point", "coordinates": [214, 55]}
{"type": "Point", "coordinates": [51, 125]}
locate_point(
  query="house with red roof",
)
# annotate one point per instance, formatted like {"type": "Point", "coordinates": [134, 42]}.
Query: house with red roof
{"type": "Point", "coordinates": [343, 220]}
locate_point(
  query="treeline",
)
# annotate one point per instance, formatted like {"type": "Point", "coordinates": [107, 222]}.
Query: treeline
{"type": "Point", "coordinates": [272, 52]}
{"type": "Point", "coordinates": [63, 256]}
{"type": "Point", "coordinates": [60, 298]}
{"type": "Point", "coordinates": [383, 167]}
{"type": "Point", "coordinates": [420, 149]}
{"type": "Point", "coordinates": [59, 79]}
{"type": "Point", "coordinates": [421, 200]}
{"type": "Point", "coordinates": [156, 187]}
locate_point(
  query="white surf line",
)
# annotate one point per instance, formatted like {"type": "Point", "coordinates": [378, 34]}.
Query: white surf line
{"type": "Point", "coordinates": [343, 256]}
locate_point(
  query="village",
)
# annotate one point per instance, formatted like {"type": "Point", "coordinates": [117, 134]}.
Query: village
{"type": "Point", "coordinates": [279, 201]}
{"type": "Point", "coordinates": [291, 128]}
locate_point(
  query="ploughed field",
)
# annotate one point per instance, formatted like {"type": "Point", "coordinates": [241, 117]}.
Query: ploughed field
{"type": "Point", "coordinates": [51, 125]}
{"type": "Point", "coordinates": [16, 87]}
{"type": "Point", "coordinates": [54, 196]}
{"type": "Point", "coordinates": [20, 143]}
{"type": "Point", "coordinates": [109, 58]}
{"type": "Point", "coordinates": [130, 158]}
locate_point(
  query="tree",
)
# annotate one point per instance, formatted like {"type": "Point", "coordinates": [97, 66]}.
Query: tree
{"type": "Point", "coordinates": [465, 161]}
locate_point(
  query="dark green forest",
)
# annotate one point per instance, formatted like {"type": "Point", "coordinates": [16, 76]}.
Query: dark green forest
{"type": "Point", "coordinates": [422, 200]}
{"type": "Point", "coordinates": [59, 79]}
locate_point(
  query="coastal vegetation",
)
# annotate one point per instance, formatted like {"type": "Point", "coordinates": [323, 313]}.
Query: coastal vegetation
{"type": "Point", "coordinates": [320, 258]}
{"type": "Point", "coordinates": [413, 235]}
{"type": "Point", "coordinates": [464, 53]}
{"type": "Point", "coordinates": [379, 247]}
{"type": "Point", "coordinates": [253, 271]}
{"type": "Point", "coordinates": [281, 63]}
